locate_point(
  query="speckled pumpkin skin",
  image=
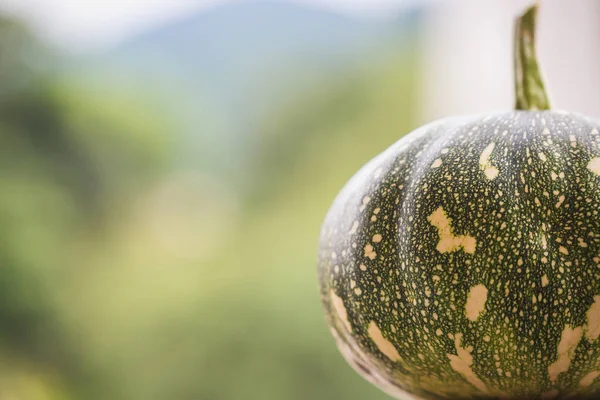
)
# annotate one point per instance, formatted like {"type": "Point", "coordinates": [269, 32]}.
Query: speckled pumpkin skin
{"type": "Point", "coordinates": [464, 261]}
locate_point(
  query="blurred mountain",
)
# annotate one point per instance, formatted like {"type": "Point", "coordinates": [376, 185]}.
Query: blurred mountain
{"type": "Point", "coordinates": [224, 71]}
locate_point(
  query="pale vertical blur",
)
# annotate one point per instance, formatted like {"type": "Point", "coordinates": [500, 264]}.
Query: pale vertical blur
{"type": "Point", "coordinates": [467, 60]}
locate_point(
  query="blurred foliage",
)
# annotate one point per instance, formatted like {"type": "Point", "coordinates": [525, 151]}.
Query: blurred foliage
{"type": "Point", "coordinates": [246, 322]}
{"type": "Point", "coordinates": [18, 55]}
{"type": "Point", "coordinates": [124, 278]}
{"type": "Point", "coordinates": [54, 190]}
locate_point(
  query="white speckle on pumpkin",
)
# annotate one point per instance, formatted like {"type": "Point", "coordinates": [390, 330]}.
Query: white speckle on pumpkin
{"type": "Point", "coordinates": [437, 163]}
{"type": "Point", "coordinates": [354, 228]}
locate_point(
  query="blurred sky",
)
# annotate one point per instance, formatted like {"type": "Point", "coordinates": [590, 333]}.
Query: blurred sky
{"type": "Point", "coordinates": [94, 24]}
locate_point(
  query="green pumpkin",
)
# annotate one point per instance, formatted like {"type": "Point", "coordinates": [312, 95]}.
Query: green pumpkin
{"type": "Point", "coordinates": [464, 261]}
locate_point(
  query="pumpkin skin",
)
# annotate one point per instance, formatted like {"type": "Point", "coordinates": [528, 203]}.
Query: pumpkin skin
{"type": "Point", "coordinates": [464, 261]}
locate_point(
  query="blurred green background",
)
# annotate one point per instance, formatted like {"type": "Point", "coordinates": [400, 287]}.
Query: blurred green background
{"type": "Point", "coordinates": [161, 196]}
{"type": "Point", "coordinates": [160, 201]}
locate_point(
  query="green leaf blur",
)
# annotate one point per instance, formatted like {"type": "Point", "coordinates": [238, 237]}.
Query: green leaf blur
{"type": "Point", "coordinates": [126, 274]}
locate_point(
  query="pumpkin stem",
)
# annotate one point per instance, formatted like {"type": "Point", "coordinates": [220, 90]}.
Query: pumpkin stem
{"type": "Point", "coordinates": [529, 86]}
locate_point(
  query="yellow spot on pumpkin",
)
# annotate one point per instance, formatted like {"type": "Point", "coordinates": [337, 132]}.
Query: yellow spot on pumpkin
{"type": "Point", "coordinates": [369, 252]}
{"type": "Point", "coordinates": [589, 379]}
{"type": "Point", "coordinates": [384, 345]}
{"type": "Point", "coordinates": [563, 249]}
{"type": "Point", "coordinates": [593, 320]}
{"type": "Point", "coordinates": [489, 170]}
{"type": "Point", "coordinates": [573, 140]}
{"type": "Point", "coordinates": [545, 281]}
{"type": "Point", "coordinates": [566, 350]}
{"type": "Point", "coordinates": [377, 238]}
{"type": "Point", "coordinates": [594, 165]}
{"type": "Point", "coordinates": [476, 302]}
{"type": "Point", "coordinates": [365, 201]}
{"type": "Point", "coordinates": [340, 309]}
{"type": "Point", "coordinates": [437, 163]}
{"type": "Point", "coordinates": [544, 242]}
{"type": "Point", "coordinates": [448, 241]}
{"type": "Point", "coordinates": [462, 362]}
